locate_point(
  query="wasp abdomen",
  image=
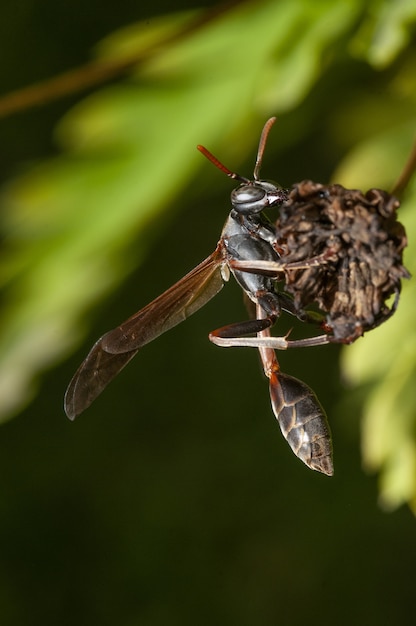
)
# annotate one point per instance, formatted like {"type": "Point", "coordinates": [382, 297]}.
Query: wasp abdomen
{"type": "Point", "coordinates": [302, 421]}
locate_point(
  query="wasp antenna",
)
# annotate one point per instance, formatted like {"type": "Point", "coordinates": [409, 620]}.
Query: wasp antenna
{"type": "Point", "coordinates": [220, 165]}
{"type": "Point", "coordinates": [262, 144]}
{"type": "Point", "coordinates": [406, 175]}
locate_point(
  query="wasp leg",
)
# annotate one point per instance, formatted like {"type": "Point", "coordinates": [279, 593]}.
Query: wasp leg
{"type": "Point", "coordinates": [223, 337]}
{"type": "Point", "coordinates": [276, 268]}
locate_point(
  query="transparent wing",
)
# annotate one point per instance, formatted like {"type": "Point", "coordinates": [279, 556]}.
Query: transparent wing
{"type": "Point", "coordinates": [116, 348]}
{"type": "Point", "coordinates": [91, 378]}
{"type": "Point", "coordinates": [174, 306]}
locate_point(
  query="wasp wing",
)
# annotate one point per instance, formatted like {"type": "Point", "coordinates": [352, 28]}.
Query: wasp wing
{"type": "Point", "coordinates": [174, 306]}
{"type": "Point", "coordinates": [116, 348]}
{"type": "Point", "coordinates": [91, 378]}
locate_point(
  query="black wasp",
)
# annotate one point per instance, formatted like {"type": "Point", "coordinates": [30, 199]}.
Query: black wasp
{"type": "Point", "coordinates": [248, 248]}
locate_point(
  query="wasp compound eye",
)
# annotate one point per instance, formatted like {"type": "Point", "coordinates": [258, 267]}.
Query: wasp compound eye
{"type": "Point", "coordinates": [249, 199]}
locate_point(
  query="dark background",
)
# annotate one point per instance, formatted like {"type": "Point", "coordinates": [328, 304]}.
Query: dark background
{"type": "Point", "coordinates": [166, 507]}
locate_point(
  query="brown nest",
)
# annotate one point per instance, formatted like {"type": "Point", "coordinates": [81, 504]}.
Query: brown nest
{"type": "Point", "coordinates": [350, 246]}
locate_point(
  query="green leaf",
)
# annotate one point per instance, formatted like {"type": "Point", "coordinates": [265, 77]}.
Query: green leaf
{"type": "Point", "coordinates": [385, 31]}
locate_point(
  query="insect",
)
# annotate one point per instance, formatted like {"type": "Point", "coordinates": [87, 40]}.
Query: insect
{"type": "Point", "coordinates": [258, 254]}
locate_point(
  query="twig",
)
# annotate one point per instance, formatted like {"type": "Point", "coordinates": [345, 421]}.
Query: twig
{"type": "Point", "coordinates": [98, 72]}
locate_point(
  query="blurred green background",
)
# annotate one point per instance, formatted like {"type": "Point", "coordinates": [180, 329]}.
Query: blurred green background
{"type": "Point", "coordinates": [175, 499]}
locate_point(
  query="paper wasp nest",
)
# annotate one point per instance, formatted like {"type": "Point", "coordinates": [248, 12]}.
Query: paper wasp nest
{"type": "Point", "coordinates": [359, 244]}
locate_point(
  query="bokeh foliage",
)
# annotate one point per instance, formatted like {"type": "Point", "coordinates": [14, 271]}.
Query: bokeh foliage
{"type": "Point", "coordinates": [125, 154]}
{"type": "Point", "coordinates": [171, 502]}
